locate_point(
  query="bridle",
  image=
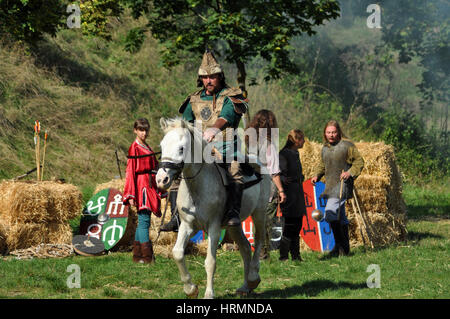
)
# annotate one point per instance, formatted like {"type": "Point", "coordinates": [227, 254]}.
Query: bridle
{"type": "Point", "coordinates": [168, 163]}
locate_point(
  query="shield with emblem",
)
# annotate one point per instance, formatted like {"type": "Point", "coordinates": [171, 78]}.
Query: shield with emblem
{"type": "Point", "coordinates": [105, 217]}
{"type": "Point", "coordinates": [317, 235]}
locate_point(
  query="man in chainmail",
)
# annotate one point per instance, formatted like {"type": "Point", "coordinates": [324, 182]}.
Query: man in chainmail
{"type": "Point", "coordinates": [340, 161]}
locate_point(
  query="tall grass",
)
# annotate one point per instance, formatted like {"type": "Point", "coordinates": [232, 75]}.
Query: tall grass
{"type": "Point", "coordinates": [87, 93]}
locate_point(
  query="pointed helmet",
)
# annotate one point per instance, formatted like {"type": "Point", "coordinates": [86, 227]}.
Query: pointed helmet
{"type": "Point", "coordinates": [209, 64]}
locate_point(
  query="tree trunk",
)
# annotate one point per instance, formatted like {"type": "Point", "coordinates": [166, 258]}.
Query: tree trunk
{"type": "Point", "coordinates": [241, 76]}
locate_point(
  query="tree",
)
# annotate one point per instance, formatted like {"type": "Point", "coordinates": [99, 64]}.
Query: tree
{"type": "Point", "coordinates": [29, 20]}
{"type": "Point", "coordinates": [239, 30]}
{"type": "Point", "coordinates": [421, 29]}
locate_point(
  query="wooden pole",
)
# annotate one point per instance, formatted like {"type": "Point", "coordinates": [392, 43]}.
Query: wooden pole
{"type": "Point", "coordinates": [43, 157]}
{"type": "Point", "coordinates": [36, 148]}
{"type": "Point", "coordinates": [360, 213]}
{"type": "Point", "coordinates": [340, 197]}
{"type": "Point", "coordinates": [357, 221]}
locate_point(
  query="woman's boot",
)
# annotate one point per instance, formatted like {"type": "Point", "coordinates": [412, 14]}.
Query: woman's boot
{"type": "Point", "coordinates": [148, 256]}
{"type": "Point", "coordinates": [137, 251]}
{"type": "Point", "coordinates": [284, 248]}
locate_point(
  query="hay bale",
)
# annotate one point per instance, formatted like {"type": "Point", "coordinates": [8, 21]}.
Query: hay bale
{"type": "Point", "coordinates": [33, 213]}
{"type": "Point", "coordinates": [3, 245]}
{"type": "Point", "coordinates": [21, 236]}
{"type": "Point", "coordinates": [379, 192]}
{"type": "Point", "coordinates": [38, 202]}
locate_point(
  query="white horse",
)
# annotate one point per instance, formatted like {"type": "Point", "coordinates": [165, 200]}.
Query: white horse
{"type": "Point", "coordinates": [201, 205]}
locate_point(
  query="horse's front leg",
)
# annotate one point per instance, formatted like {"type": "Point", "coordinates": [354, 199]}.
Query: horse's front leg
{"type": "Point", "coordinates": [184, 232]}
{"type": "Point", "coordinates": [210, 261]}
{"type": "Point", "coordinates": [246, 253]}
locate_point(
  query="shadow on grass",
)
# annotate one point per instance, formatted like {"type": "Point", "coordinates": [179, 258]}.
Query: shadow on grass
{"type": "Point", "coordinates": [310, 289]}
{"type": "Point", "coordinates": [415, 237]}
{"type": "Point", "coordinates": [428, 211]}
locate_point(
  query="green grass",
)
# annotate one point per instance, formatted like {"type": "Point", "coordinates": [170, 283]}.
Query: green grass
{"type": "Point", "coordinates": [417, 268]}
{"type": "Point", "coordinates": [428, 201]}
{"type": "Point", "coordinates": [414, 269]}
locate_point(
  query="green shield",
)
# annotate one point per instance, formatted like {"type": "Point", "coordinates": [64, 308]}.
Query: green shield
{"type": "Point", "coordinates": [112, 231]}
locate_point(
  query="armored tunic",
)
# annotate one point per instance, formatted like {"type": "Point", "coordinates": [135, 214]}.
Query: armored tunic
{"type": "Point", "coordinates": [335, 158]}
{"type": "Point", "coordinates": [228, 104]}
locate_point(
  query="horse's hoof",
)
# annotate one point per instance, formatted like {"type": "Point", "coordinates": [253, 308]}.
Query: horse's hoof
{"type": "Point", "coordinates": [254, 284]}
{"type": "Point", "coordinates": [243, 292]}
{"type": "Point", "coordinates": [193, 294]}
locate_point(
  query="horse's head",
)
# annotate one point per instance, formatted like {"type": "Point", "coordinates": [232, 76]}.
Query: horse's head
{"type": "Point", "coordinates": [176, 149]}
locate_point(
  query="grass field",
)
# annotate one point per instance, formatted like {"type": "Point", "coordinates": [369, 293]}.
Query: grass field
{"type": "Point", "coordinates": [418, 268]}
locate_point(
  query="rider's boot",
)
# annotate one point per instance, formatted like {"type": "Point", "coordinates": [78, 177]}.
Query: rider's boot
{"type": "Point", "coordinates": [235, 198]}
{"type": "Point", "coordinates": [172, 225]}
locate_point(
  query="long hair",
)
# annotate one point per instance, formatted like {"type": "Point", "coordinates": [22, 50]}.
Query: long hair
{"type": "Point", "coordinates": [293, 137]}
{"type": "Point", "coordinates": [338, 128]}
{"type": "Point", "coordinates": [264, 119]}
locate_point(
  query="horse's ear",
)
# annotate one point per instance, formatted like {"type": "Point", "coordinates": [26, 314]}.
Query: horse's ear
{"type": "Point", "coordinates": [163, 123]}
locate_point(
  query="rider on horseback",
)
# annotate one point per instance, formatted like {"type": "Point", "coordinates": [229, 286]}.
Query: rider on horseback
{"type": "Point", "coordinates": [219, 107]}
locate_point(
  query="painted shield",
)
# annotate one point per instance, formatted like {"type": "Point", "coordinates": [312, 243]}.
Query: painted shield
{"type": "Point", "coordinates": [247, 227]}
{"type": "Point", "coordinates": [317, 235]}
{"type": "Point", "coordinates": [201, 236]}
{"type": "Point", "coordinates": [105, 217]}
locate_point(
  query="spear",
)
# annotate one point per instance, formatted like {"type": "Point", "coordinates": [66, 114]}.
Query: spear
{"type": "Point", "coordinates": [37, 129]}
{"type": "Point", "coordinates": [43, 157]}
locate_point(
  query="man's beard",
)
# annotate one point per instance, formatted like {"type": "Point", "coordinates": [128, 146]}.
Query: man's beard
{"type": "Point", "coordinates": [212, 89]}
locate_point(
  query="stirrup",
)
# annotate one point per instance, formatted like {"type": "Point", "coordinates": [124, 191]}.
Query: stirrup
{"type": "Point", "coordinates": [232, 218]}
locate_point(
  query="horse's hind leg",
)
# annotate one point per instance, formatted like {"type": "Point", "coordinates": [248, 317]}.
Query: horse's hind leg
{"type": "Point", "coordinates": [259, 218]}
{"type": "Point", "coordinates": [210, 261]}
{"type": "Point", "coordinates": [246, 253]}
{"type": "Point", "coordinates": [184, 232]}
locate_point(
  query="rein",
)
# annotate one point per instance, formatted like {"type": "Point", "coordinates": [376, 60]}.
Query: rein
{"type": "Point", "coordinates": [167, 162]}
{"type": "Point", "coordinates": [178, 167]}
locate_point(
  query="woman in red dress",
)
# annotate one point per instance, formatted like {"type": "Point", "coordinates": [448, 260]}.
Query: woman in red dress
{"type": "Point", "coordinates": [141, 191]}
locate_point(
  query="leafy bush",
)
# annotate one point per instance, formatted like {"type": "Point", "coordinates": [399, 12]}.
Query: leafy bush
{"type": "Point", "coordinates": [421, 155]}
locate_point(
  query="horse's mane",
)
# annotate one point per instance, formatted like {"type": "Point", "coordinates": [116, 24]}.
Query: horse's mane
{"type": "Point", "coordinates": [178, 122]}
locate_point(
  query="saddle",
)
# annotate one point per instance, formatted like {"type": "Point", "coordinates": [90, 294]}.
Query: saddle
{"type": "Point", "coordinates": [251, 176]}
